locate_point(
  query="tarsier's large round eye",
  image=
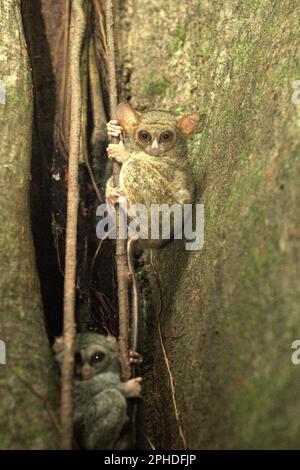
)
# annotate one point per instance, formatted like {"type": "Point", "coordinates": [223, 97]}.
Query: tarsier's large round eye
{"type": "Point", "coordinates": [166, 136]}
{"type": "Point", "coordinates": [144, 136]}
{"type": "Point", "coordinates": [98, 356]}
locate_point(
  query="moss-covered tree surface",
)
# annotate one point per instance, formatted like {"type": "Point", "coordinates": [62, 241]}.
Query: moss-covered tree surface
{"type": "Point", "coordinates": [231, 310]}
{"type": "Point", "coordinates": [27, 382]}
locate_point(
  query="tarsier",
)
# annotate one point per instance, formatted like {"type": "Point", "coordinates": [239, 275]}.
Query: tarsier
{"type": "Point", "coordinates": [153, 155]}
{"type": "Point", "coordinates": [155, 170]}
{"type": "Point", "coordinates": [99, 394]}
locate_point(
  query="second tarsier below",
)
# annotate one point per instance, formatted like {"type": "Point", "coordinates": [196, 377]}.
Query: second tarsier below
{"type": "Point", "coordinates": [100, 397]}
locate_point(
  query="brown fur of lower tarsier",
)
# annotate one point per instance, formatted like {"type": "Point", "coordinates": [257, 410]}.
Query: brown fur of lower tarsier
{"type": "Point", "coordinates": [100, 397]}
{"type": "Point", "coordinates": [153, 153]}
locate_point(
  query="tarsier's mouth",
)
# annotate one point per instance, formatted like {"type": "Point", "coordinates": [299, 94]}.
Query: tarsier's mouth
{"type": "Point", "coordinates": [155, 152]}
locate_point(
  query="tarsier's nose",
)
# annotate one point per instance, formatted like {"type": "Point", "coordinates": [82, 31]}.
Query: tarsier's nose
{"type": "Point", "coordinates": [86, 373]}
{"type": "Point", "coordinates": [154, 149]}
{"type": "Point", "coordinates": [155, 144]}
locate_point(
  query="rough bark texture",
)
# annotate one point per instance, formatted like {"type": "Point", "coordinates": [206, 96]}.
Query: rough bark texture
{"type": "Point", "coordinates": [231, 310]}
{"type": "Point", "coordinates": [27, 382]}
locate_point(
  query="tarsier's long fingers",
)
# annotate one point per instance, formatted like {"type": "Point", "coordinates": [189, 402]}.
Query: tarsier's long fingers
{"type": "Point", "coordinates": [133, 387]}
{"type": "Point", "coordinates": [115, 196]}
{"type": "Point", "coordinates": [136, 386]}
{"type": "Point", "coordinates": [114, 129]}
{"type": "Point", "coordinates": [135, 357]}
{"type": "Point", "coordinates": [117, 152]}
{"type": "Point", "coordinates": [112, 150]}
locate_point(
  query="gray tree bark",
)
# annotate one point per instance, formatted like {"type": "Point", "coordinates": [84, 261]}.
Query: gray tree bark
{"type": "Point", "coordinates": [27, 381]}
{"type": "Point", "coordinates": [231, 310]}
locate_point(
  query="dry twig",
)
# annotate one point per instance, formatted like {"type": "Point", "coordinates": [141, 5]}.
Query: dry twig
{"type": "Point", "coordinates": [78, 23]}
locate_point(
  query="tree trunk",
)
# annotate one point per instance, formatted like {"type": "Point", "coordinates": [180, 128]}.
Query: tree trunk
{"type": "Point", "coordinates": [27, 381]}
{"type": "Point", "coordinates": [231, 310]}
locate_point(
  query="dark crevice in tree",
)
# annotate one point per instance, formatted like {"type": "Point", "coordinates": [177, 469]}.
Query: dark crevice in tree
{"type": "Point", "coordinates": [41, 197]}
{"type": "Point", "coordinates": [46, 28]}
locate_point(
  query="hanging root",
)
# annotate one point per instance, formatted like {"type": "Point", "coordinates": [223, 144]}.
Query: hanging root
{"type": "Point", "coordinates": [167, 362]}
{"type": "Point", "coordinates": [121, 248]}
{"type": "Point", "coordinates": [78, 24]}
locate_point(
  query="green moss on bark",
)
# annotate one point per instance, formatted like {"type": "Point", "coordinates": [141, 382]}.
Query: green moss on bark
{"type": "Point", "coordinates": [27, 381]}
{"type": "Point", "coordinates": [231, 310]}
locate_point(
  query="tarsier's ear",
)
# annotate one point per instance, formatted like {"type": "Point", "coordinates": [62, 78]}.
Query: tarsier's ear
{"type": "Point", "coordinates": [112, 342]}
{"type": "Point", "coordinates": [127, 116]}
{"type": "Point", "coordinates": [188, 124]}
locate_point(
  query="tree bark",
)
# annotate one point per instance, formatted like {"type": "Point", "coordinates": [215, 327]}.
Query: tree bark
{"type": "Point", "coordinates": [231, 310]}
{"type": "Point", "coordinates": [27, 381]}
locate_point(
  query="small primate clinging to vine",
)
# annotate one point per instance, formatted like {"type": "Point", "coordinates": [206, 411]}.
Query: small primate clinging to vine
{"type": "Point", "coordinates": [155, 170]}
{"type": "Point", "coordinates": [153, 154]}
{"type": "Point", "coordinates": [100, 397]}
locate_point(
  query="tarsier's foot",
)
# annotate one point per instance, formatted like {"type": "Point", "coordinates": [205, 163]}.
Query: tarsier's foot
{"type": "Point", "coordinates": [114, 129]}
{"type": "Point", "coordinates": [135, 357]}
{"type": "Point", "coordinates": [133, 387]}
{"type": "Point", "coordinates": [115, 196]}
{"type": "Point", "coordinates": [117, 152]}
